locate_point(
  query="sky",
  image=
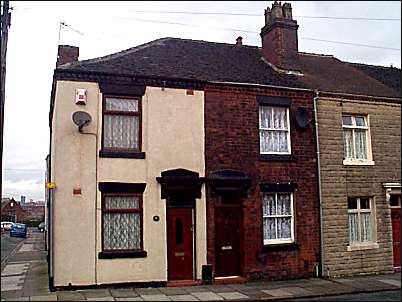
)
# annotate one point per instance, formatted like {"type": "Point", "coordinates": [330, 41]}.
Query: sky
{"type": "Point", "coordinates": [105, 27]}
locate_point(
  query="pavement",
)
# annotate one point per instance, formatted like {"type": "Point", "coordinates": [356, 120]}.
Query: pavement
{"type": "Point", "coordinates": [24, 278]}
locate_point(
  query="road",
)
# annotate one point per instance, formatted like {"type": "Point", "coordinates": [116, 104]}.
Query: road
{"type": "Point", "coordinates": [8, 244]}
{"type": "Point", "coordinates": [391, 295]}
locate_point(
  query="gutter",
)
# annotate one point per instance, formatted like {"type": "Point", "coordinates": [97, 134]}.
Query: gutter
{"type": "Point", "coordinates": [261, 86]}
{"type": "Point", "coordinates": [322, 267]}
{"type": "Point", "coordinates": [379, 98]}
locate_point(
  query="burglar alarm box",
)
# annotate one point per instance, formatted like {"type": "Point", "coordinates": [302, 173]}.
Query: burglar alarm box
{"type": "Point", "coordinates": [80, 96]}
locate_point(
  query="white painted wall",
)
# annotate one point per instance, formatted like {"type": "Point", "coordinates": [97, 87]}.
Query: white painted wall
{"type": "Point", "coordinates": [172, 137]}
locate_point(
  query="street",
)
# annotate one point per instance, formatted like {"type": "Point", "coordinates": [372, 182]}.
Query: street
{"type": "Point", "coordinates": [394, 295]}
{"type": "Point", "coordinates": [8, 244]}
{"type": "Point", "coordinates": [25, 276]}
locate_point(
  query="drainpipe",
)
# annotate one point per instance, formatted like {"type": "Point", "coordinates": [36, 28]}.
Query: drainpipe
{"type": "Point", "coordinates": [315, 99]}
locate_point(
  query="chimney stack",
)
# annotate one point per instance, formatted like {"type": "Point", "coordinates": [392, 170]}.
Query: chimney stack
{"type": "Point", "coordinates": [279, 37]}
{"type": "Point", "coordinates": [67, 54]}
{"type": "Point", "coordinates": [239, 40]}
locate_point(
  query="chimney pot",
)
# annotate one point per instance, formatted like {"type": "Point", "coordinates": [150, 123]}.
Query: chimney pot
{"type": "Point", "coordinates": [67, 54]}
{"type": "Point", "coordinates": [239, 40]}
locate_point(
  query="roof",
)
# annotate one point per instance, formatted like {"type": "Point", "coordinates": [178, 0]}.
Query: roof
{"type": "Point", "coordinates": [5, 201]}
{"type": "Point", "coordinates": [329, 74]}
{"type": "Point", "coordinates": [222, 62]}
{"type": "Point", "coordinates": [390, 76]}
{"type": "Point", "coordinates": [190, 59]}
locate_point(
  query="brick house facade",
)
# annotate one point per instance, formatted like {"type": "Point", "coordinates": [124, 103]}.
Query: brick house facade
{"type": "Point", "coordinates": [232, 143]}
{"type": "Point", "coordinates": [12, 211]}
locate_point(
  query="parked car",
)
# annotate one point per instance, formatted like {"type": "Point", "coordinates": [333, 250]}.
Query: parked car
{"type": "Point", "coordinates": [18, 230]}
{"type": "Point", "coordinates": [6, 225]}
{"type": "Point", "coordinates": [41, 227]}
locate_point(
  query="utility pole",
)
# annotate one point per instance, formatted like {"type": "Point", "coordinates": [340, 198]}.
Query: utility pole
{"type": "Point", "coordinates": [5, 24]}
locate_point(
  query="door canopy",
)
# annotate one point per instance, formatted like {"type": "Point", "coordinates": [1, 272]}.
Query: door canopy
{"type": "Point", "coordinates": [229, 180]}
{"type": "Point", "coordinates": [180, 182]}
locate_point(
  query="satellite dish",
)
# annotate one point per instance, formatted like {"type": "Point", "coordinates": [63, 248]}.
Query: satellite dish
{"type": "Point", "coordinates": [81, 119]}
{"type": "Point", "coordinates": [301, 117]}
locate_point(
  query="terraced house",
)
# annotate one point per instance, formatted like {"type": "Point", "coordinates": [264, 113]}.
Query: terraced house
{"type": "Point", "coordinates": [195, 160]}
{"type": "Point", "coordinates": [359, 127]}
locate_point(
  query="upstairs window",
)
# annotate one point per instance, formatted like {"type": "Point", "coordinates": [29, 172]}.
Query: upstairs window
{"type": "Point", "coordinates": [121, 124]}
{"type": "Point", "coordinates": [356, 138]}
{"type": "Point", "coordinates": [274, 130]}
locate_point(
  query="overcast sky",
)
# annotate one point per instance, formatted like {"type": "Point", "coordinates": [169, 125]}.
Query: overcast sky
{"type": "Point", "coordinates": [105, 27]}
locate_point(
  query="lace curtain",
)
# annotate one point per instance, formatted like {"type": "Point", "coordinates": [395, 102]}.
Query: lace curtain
{"type": "Point", "coordinates": [277, 216]}
{"type": "Point", "coordinates": [348, 143]}
{"type": "Point", "coordinates": [360, 145]}
{"type": "Point", "coordinates": [273, 129]}
{"type": "Point", "coordinates": [121, 131]}
{"type": "Point", "coordinates": [353, 228]}
{"type": "Point", "coordinates": [365, 227]}
{"type": "Point", "coordinates": [121, 230]}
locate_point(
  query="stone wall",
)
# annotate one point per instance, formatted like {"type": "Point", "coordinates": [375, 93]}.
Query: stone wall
{"type": "Point", "coordinates": [341, 181]}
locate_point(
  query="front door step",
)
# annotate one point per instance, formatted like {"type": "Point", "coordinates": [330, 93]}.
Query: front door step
{"type": "Point", "coordinates": [183, 283]}
{"type": "Point", "coordinates": [229, 279]}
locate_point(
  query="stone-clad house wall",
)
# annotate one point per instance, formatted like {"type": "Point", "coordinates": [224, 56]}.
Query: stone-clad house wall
{"type": "Point", "coordinates": [232, 142]}
{"type": "Point", "coordinates": [342, 181]}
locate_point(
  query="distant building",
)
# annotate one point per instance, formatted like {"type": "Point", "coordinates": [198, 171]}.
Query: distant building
{"type": "Point", "coordinates": [12, 210]}
{"type": "Point", "coordinates": [34, 211]}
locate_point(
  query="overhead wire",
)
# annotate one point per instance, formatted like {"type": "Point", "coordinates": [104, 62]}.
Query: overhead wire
{"type": "Point", "coordinates": [242, 30]}
{"type": "Point", "coordinates": [254, 32]}
{"type": "Point", "coordinates": [242, 14]}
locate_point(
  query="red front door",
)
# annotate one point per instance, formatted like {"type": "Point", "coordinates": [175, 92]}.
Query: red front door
{"type": "Point", "coordinates": [396, 228]}
{"type": "Point", "coordinates": [180, 243]}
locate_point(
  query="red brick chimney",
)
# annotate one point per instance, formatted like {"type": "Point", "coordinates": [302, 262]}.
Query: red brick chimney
{"type": "Point", "coordinates": [67, 54]}
{"type": "Point", "coordinates": [279, 37]}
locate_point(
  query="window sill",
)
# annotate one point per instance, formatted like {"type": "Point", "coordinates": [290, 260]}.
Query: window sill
{"type": "Point", "coordinates": [113, 255]}
{"type": "Point", "coordinates": [280, 247]}
{"type": "Point", "coordinates": [362, 246]}
{"type": "Point", "coordinates": [120, 154]}
{"type": "Point", "coordinates": [358, 162]}
{"type": "Point", "coordinates": [277, 157]}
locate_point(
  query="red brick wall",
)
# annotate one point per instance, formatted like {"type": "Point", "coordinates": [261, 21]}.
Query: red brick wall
{"type": "Point", "coordinates": [280, 46]}
{"type": "Point", "coordinates": [16, 209]}
{"type": "Point", "coordinates": [232, 142]}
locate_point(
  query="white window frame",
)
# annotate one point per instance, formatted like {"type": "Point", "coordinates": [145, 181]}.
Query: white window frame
{"type": "Point", "coordinates": [363, 245]}
{"type": "Point", "coordinates": [355, 161]}
{"type": "Point", "coordinates": [279, 241]}
{"type": "Point", "coordinates": [273, 129]}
